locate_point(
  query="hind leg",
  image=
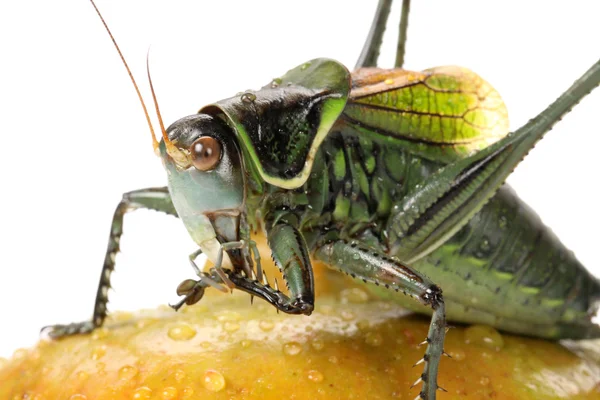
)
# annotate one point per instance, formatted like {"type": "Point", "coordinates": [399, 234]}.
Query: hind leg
{"type": "Point", "coordinates": [373, 267]}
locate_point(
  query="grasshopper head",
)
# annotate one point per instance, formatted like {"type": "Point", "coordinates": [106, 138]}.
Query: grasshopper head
{"type": "Point", "coordinates": [205, 180]}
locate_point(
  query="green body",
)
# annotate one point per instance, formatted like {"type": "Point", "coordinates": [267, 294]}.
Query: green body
{"type": "Point", "coordinates": [504, 268]}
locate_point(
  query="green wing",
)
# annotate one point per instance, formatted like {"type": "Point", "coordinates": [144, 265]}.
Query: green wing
{"type": "Point", "coordinates": [442, 114]}
{"type": "Point", "coordinates": [282, 125]}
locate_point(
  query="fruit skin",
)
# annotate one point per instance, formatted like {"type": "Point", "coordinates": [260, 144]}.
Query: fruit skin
{"type": "Point", "coordinates": [353, 346]}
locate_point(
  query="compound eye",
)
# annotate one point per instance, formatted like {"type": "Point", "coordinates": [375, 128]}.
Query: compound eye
{"type": "Point", "coordinates": [206, 153]}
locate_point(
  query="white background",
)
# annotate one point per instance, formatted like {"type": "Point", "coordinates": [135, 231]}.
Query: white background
{"type": "Point", "coordinates": [74, 138]}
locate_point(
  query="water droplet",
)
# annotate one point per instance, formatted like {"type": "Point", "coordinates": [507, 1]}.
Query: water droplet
{"type": "Point", "coordinates": [354, 295]}
{"type": "Point", "coordinates": [502, 222]}
{"type": "Point", "coordinates": [206, 345]}
{"type": "Point", "coordinates": [304, 66]}
{"type": "Point", "coordinates": [333, 359]}
{"type": "Point", "coordinates": [181, 332]}
{"type": "Point", "coordinates": [292, 348]}
{"type": "Point", "coordinates": [228, 316]}
{"type": "Point", "coordinates": [179, 375]}
{"type": "Point", "coordinates": [266, 325]}
{"type": "Point", "coordinates": [128, 372]}
{"type": "Point", "coordinates": [326, 310]}
{"type": "Point", "coordinates": [347, 315]}
{"type": "Point", "coordinates": [187, 393]}
{"type": "Point", "coordinates": [98, 352]}
{"type": "Point", "coordinates": [248, 97]}
{"type": "Point", "coordinates": [388, 81]}
{"type": "Point", "coordinates": [142, 393]}
{"type": "Point", "coordinates": [315, 376]}
{"type": "Point", "coordinates": [374, 339]}
{"type": "Point", "coordinates": [355, 256]}
{"type": "Point", "coordinates": [317, 344]}
{"type": "Point", "coordinates": [275, 82]}
{"type": "Point", "coordinates": [484, 336]}
{"type": "Point", "coordinates": [363, 324]}
{"type": "Point", "coordinates": [484, 245]}
{"type": "Point", "coordinates": [100, 333]}
{"type": "Point", "coordinates": [169, 393]}
{"type": "Point", "coordinates": [231, 326]}
{"type": "Point", "coordinates": [78, 397]}
{"type": "Point", "coordinates": [213, 380]}
{"type": "Point", "coordinates": [82, 375]}
{"type": "Point", "coordinates": [458, 354]}
{"type": "Point", "coordinates": [484, 381]}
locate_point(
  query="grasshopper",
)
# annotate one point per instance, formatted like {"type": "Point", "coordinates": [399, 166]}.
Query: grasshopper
{"type": "Point", "coordinates": [295, 232]}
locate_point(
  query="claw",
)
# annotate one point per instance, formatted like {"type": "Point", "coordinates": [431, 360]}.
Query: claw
{"type": "Point", "coordinates": [442, 389]}
{"type": "Point", "coordinates": [426, 341]}
{"type": "Point", "coordinates": [253, 275]}
{"type": "Point", "coordinates": [225, 278]}
{"type": "Point", "coordinates": [276, 285]}
{"type": "Point", "coordinates": [251, 300]}
{"type": "Point", "coordinates": [265, 281]}
{"type": "Point", "coordinates": [446, 354]}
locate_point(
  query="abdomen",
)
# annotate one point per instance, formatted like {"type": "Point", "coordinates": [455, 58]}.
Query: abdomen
{"type": "Point", "coordinates": [508, 270]}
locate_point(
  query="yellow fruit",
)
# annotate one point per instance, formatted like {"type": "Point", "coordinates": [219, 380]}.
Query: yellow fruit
{"type": "Point", "coordinates": [354, 346]}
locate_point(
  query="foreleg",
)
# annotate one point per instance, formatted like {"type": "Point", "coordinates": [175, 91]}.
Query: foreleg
{"type": "Point", "coordinates": [152, 198]}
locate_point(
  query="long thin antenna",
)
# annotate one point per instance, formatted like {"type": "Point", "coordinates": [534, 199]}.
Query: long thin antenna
{"type": "Point", "coordinates": [173, 151]}
{"type": "Point", "coordinates": [154, 141]}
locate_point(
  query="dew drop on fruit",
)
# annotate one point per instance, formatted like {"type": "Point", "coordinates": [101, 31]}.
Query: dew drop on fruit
{"type": "Point", "coordinates": [231, 326]}
{"type": "Point", "coordinates": [142, 393]}
{"type": "Point", "coordinates": [182, 332]}
{"type": "Point", "coordinates": [347, 315]}
{"type": "Point", "coordinates": [266, 325]}
{"type": "Point", "coordinates": [317, 344]}
{"type": "Point", "coordinates": [187, 393]}
{"type": "Point", "coordinates": [179, 375]}
{"type": "Point", "coordinates": [484, 336]}
{"type": "Point", "coordinates": [354, 295]}
{"type": "Point", "coordinates": [98, 352]}
{"type": "Point", "coordinates": [292, 348]}
{"type": "Point", "coordinates": [127, 372]}
{"type": "Point", "coordinates": [213, 380]}
{"type": "Point", "coordinates": [374, 339]}
{"type": "Point", "coordinates": [169, 393]}
{"type": "Point", "coordinates": [315, 376]}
